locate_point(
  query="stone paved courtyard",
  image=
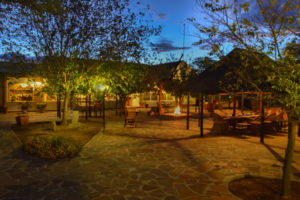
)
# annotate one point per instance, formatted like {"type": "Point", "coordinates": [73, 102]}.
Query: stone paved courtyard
{"type": "Point", "coordinates": [157, 160]}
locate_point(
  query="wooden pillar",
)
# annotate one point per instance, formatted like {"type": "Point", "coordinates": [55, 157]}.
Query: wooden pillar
{"type": "Point", "coordinates": [86, 107]}
{"type": "Point", "coordinates": [201, 114]}
{"type": "Point", "coordinates": [262, 119]}
{"type": "Point", "coordinates": [90, 109]}
{"type": "Point", "coordinates": [242, 103]}
{"type": "Point", "coordinates": [4, 93]}
{"type": "Point", "coordinates": [188, 112]}
{"type": "Point", "coordinates": [234, 105]}
{"type": "Point", "coordinates": [260, 102]}
{"type": "Point", "coordinates": [160, 96]}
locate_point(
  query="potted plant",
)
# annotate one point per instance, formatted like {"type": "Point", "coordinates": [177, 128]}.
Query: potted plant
{"type": "Point", "coordinates": [25, 106]}
{"type": "Point", "coordinates": [41, 107]}
{"type": "Point", "coordinates": [22, 119]}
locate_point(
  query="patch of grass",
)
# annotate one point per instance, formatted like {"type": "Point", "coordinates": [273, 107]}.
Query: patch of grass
{"type": "Point", "coordinates": [52, 147]}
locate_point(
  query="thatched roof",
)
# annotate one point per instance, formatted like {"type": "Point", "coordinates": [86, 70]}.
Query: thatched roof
{"type": "Point", "coordinates": [16, 68]}
{"type": "Point", "coordinates": [232, 73]}
{"type": "Point", "coordinates": [168, 71]}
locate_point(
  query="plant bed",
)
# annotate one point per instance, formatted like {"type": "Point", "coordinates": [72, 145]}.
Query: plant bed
{"type": "Point", "coordinates": [79, 135]}
{"type": "Point", "coordinates": [52, 147]}
{"type": "Point", "coordinates": [258, 188]}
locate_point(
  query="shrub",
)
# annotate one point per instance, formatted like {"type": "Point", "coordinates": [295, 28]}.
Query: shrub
{"type": "Point", "coordinates": [52, 147]}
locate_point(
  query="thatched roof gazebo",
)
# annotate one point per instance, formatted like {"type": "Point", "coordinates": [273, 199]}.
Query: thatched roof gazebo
{"type": "Point", "coordinates": [236, 73]}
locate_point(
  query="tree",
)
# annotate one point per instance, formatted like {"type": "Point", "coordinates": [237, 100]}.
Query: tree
{"type": "Point", "coordinates": [264, 26]}
{"type": "Point", "coordinates": [203, 63]}
{"type": "Point", "coordinates": [124, 79]}
{"type": "Point", "coordinates": [176, 83]}
{"type": "Point", "coordinates": [62, 34]}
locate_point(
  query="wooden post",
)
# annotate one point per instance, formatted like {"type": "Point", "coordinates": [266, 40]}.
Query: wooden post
{"type": "Point", "coordinates": [234, 110]}
{"type": "Point", "coordinates": [90, 109]}
{"type": "Point", "coordinates": [234, 105]}
{"type": "Point", "coordinates": [201, 115]}
{"type": "Point", "coordinates": [188, 112]}
{"type": "Point", "coordinates": [243, 102]}
{"type": "Point", "coordinates": [260, 103]}
{"type": "Point", "coordinates": [86, 106]}
{"type": "Point", "coordinates": [262, 119]}
{"type": "Point", "coordinates": [5, 93]}
{"type": "Point", "coordinates": [160, 97]}
{"type": "Point", "coordinates": [199, 112]}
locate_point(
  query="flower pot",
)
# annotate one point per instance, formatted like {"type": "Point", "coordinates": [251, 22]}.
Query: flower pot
{"type": "Point", "coordinates": [22, 120]}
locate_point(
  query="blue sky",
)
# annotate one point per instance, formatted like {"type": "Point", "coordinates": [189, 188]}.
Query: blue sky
{"type": "Point", "coordinates": [172, 15]}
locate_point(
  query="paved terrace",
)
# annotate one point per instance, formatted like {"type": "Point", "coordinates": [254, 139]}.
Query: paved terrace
{"type": "Point", "coordinates": [157, 160]}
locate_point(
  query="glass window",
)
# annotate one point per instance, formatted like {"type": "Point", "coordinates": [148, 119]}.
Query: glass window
{"type": "Point", "coordinates": [154, 97]}
{"type": "Point", "coordinates": [147, 96]}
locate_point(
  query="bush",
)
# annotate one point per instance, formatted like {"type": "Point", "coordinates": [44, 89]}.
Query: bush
{"type": "Point", "coordinates": [52, 147]}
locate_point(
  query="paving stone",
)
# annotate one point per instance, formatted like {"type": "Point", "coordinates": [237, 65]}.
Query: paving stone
{"type": "Point", "coordinates": [174, 165]}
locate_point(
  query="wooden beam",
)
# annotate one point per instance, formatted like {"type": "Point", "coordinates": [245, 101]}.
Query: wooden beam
{"type": "Point", "coordinates": [248, 92]}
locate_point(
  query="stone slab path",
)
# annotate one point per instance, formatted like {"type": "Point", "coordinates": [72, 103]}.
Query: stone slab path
{"type": "Point", "coordinates": [157, 160]}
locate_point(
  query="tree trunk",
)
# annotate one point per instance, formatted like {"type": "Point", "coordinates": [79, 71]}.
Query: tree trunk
{"type": "Point", "coordinates": [65, 113]}
{"type": "Point", "coordinates": [286, 178]}
{"type": "Point", "coordinates": [58, 106]}
{"type": "Point", "coordinates": [116, 105]}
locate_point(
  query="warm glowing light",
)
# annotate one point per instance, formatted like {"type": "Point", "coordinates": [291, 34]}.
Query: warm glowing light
{"type": "Point", "coordinates": [177, 110]}
{"type": "Point", "coordinates": [38, 84]}
{"type": "Point", "coordinates": [24, 85]}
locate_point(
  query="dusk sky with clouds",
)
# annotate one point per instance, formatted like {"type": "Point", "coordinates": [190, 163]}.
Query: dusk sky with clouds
{"type": "Point", "coordinates": [172, 15]}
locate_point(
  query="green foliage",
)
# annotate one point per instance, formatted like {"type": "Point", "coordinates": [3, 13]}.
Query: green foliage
{"type": "Point", "coordinates": [25, 105]}
{"type": "Point", "coordinates": [177, 83]}
{"type": "Point", "coordinates": [52, 147]}
{"type": "Point", "coordinates": [285, 80]}
{"type": "Point", "coordinates": [203, 63]}
{"type": "Point", "coordinates": [70, 35]}
{"type": "Point", "coordinates": [41, 105]}
{"type": "Point", "coordinates": [126, 78]}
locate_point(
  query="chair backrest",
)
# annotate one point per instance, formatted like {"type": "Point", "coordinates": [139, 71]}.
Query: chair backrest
{"type": "Point", "coordinates": [217, 117]}
{"type": "Point", "coordinates": [272, 110]}
{"type": "Point", "coordinates": [131, 112]}
{"type": "Point", "coordinates": [271, 117]}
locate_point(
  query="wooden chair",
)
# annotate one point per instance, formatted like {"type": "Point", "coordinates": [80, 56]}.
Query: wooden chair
{"type": "Point", "coordinates": [221, 125]}
{"type": "Point", "coordinates": [130, 117]}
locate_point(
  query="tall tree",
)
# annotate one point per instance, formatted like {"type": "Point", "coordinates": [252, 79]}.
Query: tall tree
{"type": "Point", "coordinates": [124, 79]}
{"type": "Point", "coordinates": [263, 26]}
{"type": "Point", "coordinates": [63, 33]}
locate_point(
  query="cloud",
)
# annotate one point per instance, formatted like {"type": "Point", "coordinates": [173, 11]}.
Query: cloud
{"type": "Point", "coordinates": [161, 16]}
{"type": "Point", "coordinates": [165, 45]}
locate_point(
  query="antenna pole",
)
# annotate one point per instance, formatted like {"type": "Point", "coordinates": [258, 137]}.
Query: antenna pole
{"type": "Point", "coordinates": [183, 40]}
